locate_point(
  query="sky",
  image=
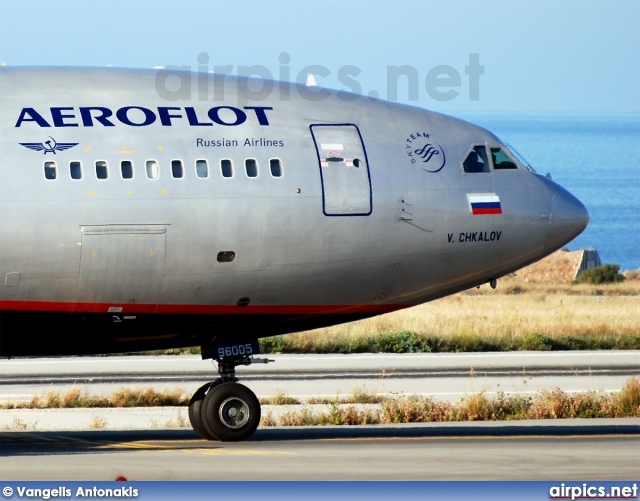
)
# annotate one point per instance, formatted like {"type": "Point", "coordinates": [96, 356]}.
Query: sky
{"type": "Point", "coordinates": [539, 56]}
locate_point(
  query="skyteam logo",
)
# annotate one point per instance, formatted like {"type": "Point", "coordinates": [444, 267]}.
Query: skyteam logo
{"type": "Point", "coordinates": [49, 146]}
{"type": "Point", "coordinates": [421, 149]}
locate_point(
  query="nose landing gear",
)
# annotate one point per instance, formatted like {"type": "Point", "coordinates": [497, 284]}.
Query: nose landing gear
{"type": "Point", "coordinates": [224, 409]}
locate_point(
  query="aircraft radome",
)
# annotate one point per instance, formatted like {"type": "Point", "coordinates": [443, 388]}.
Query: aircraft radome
{"type": "Point", "coordinates": [132, 222]}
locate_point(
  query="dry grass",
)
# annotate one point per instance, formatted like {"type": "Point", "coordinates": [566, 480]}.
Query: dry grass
{"type": "Point", "coordinates": [627, 402]}
{"type": "Point", "coordinates": [551, 404]}
{"type": "Point", "coordinates": [488, 322]}
{"type": "Point", "coordinates": [180, 422]}
{"type": "Point", "coordinates": [337, 415]}
{"type": "Point", "coordinates": [124, 397]}
{"type": "Point", "coordinates": [497, 314]}
{"type": "Point", "coordinates": [279, 399]}
{"type": "Point", "coordinates": [148, 397]}
{"type": "Point", "coordinates": [359, 396]}
{"type": "Point", "coordinates": [97, 422]}
{"type": "Point", "coordinates": [509, 315]}
{"type": "Point", "coordinates": [20, 425]}
{"type": "Point", "coordinates": [362, 408]}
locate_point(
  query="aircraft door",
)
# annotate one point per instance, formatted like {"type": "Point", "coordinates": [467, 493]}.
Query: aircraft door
{"type": "Point", "coordinates": [121, 264]}
{"type": "Point", "coordinates": [344, 170]}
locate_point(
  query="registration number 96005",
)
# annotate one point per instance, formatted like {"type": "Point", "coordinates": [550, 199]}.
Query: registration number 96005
{"type": "Point", "coordinates": [237, 349]}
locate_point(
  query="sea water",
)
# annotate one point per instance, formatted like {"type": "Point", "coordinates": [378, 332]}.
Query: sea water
{"type": "Point", "coordinates": [595, 157]}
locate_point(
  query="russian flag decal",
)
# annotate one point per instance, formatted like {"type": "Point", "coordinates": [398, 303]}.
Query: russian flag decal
{"type": "Point", "coordinates": [484, 203]}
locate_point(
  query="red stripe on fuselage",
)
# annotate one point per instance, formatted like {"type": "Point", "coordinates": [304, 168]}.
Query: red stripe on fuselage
{"type": "Point", "coordinates": [195, 309]}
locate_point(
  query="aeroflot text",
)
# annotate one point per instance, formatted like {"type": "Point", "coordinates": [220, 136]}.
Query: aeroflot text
{"type": "Point", "coordinates": [139, 116]}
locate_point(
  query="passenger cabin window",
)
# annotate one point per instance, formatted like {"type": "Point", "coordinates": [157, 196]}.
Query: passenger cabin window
{"type": "Point", "coordinates": [50, 170]}
{"type": "Point", "coordinates": [202, 169]}
{"type": "Point", "coordinates": [102, 171]}
{"type": "Point", "coordinates": [501, 160]}
{"type": "Point", "coordinates": [177, 171]}
{"type": "Point", "coordinates": [251, 167]}
{"type": "Point", "coordinates": [276, 167]}
{"type": "Point", "coordinates": [226, 256]}
{"type": "Point", "coordinates": [75, 170]}
{"type": "Point", "coordinates": [226, 167]}
{"type": "Point", "coordinates": [126, 169]}
{"type": "Point", "coordinates": [476, 160]}
{"type": "Point", "coordinates": [153, 171]}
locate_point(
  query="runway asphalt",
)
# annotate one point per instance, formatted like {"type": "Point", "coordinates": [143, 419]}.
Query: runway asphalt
{"type": "Point", "coordinates": [569, 450]}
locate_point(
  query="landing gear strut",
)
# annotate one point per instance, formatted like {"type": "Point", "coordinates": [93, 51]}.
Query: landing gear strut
{"type": "Point", "coordinates": [224, 409]}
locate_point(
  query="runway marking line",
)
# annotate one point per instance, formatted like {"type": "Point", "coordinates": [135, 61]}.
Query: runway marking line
{"type": "Point", "coordinates": [154, 446]}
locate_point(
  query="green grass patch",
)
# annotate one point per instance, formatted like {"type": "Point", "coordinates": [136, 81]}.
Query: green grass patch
{"type": "Point", "coordinates": [411, 342]}
{"type": "Point", "coordinates": [605, 274]}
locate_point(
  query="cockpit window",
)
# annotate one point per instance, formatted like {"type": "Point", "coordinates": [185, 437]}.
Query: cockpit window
{"type": "Point", "coordinates": [520, 158]}
{"type": "Point", "coordinates": [501, 160]}
{"type": "Point", "coordinates": [476, 160]}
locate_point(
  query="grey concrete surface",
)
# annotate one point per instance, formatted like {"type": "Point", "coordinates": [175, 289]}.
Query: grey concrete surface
{"type": "Point", "coordinates": [567, 450]}
{"type": "Point", "coordinates": [442, 376]}
{"type": "Point", "coordinates": [371, 362]}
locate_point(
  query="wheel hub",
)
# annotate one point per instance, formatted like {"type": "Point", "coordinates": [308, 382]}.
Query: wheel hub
{"type": "Point", "coordinates": [234, 413]}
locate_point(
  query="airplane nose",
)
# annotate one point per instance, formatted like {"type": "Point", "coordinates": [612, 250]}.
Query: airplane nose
{"type": "Point", "coordinates": [569, 217]}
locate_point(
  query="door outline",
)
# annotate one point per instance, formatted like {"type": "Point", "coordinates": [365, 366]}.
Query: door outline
{"type": "Point", "coordinates": [366, 159]}
{"type": "Point", "coordinates": [115, 248]}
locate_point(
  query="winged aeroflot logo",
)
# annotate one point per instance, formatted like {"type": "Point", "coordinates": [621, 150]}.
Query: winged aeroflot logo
{"type": "Point", "coordinates": [49, 146]}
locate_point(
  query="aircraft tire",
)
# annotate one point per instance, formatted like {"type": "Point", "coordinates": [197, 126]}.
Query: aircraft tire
{"type": "Point", "coordinates": [231, 412]}
{"type": "Point", "coordinates": [196, 414]}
